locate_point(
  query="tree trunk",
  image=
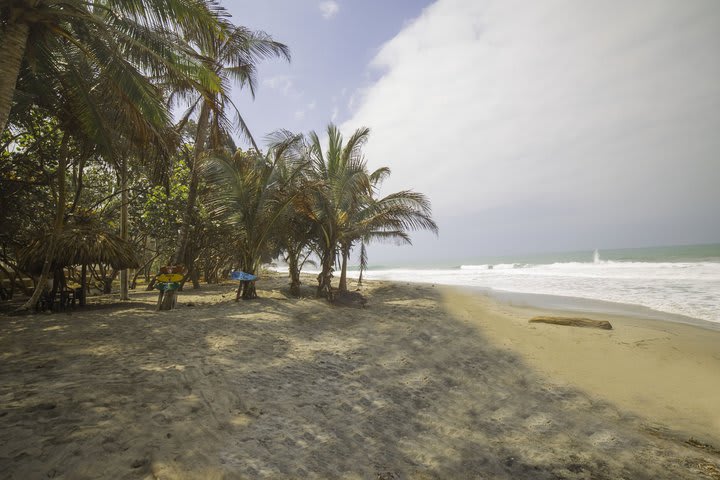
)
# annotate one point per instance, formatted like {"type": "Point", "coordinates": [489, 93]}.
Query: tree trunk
{"type": "Point", "coordinates": [246, 289]}
{"type": "Point", "coordinates": [11, 279]}
{"type": "Point", "coordinates": [168, 300]}
{"type": "Point", "coordinates": [124, 293]}
{"type": "Point", "coordinates": [108, 281]}
{"type": "Point", "coordinates": [141, 270]}
{"type": "Point", "coordinates": [248, 292]}
{"type": "Point", "coordinates": [294, 270]}
{"type": "Point", "coordinates": [325, 277]}
{"type": "Point", "coordinates": [200, 139]}
{"type": "Point", "coordinates": [83, 285]}
{"type": "Point", "coordinates": [345, 252]}
{"type": "Point", "coordinates": [57, 227]}
{"type": "Point", "coordinates": [195, 277]}
{"type": "Point", "coordinates": [16, 279]}
{"type": "Point", "coordinates": [14, 42]}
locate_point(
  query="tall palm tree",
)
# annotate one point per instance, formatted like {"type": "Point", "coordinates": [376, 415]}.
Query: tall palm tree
{"type": "Point", "coordinates": [251, 194]}
{"type": "Point", "coordinates": [89, 112]}
{"type": "Point", "coordinates": [132, 41]}
{"type": "Point", "coordinates": [50, 48]}
{"type": "Point", "coordinates": [233, 59]}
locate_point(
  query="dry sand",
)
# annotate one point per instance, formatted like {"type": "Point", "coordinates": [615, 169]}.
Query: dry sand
{"type": "Point", "coordinates": [422, 383]}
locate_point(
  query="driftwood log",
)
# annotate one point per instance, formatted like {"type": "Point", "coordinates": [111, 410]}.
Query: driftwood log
{"type": "Point", "coordinates": [574, 322]}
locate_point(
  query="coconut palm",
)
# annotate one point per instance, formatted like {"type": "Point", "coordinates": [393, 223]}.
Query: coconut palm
{"type": "Point", "coordinates": [233, 59]}
{"type": "Point", "coordinates": [344, 207]}
{"type": "Point", "coordinates": [132, 42]}
{"type": "Point", "coordinates": [251, 195]}
{"type": "Point", "coordinates": [89, 113]}
{"type": "Point", "coordinates": [296, 239]}
{"type": "Point", "coordinates": [389, 218]}
{"type": "Point", "coordinates": [50, 48]}
{"type": "Point", "coordinates": [342, 181]}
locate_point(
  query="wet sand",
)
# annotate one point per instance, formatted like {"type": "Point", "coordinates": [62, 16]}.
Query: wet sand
{"type": "Point", "coordinates": [422, 383]}
{"type": "Point", "coordinates": [667, 372]}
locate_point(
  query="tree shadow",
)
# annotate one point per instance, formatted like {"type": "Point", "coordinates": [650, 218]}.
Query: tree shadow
{"type": "Point", "coordinates": [283, 387]}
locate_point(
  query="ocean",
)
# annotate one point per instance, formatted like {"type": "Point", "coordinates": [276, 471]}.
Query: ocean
{"type": "Point", "coordinates": [679, 280]}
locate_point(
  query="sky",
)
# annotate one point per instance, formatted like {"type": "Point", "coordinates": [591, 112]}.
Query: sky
{"type": "Point", "coordinates": [551, 125]}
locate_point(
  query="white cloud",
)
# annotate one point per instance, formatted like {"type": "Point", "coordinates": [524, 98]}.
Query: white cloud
{"type": "Point", "coordinates": [299, 114]}
{"type": "Point", "coordinates": [591, 114]}
{"type": "Point", "coordinates": [334, 115]}
{"type": "Point", "coordinates": [329, 8]}
{"type": "Point", "coordinates": [357, 97]}
{"type": "Point", "coordinates": [281, 83]}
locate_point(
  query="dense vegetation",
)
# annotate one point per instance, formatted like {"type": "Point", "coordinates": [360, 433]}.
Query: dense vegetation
{"type": "Point", "coordinates": [92, 146]}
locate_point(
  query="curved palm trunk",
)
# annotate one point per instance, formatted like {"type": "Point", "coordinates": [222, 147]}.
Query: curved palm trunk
{"type": "Point", "coordinates": [200, 139]}
{"type": "Point", "coordinates": [15, 279]}
{"type": "Point", "coordinates": [14, 41]}
{"type": "Point", "coordinates": [142, 269]}
{"type": "Point", "coordinates": [168, 299]}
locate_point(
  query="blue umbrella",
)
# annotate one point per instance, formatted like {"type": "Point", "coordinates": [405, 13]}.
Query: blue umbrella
{"type": "Point", "coordinates": [242, 276]}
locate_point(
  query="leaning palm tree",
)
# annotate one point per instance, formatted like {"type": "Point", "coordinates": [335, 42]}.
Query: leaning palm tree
{"type": "Point", "coordinates": [131, 41]}
{"type": "Point", "coordinates": [251, 195]}
{"type": "Point", "coordinates": [232, 58]}
{"type": "Point", "coordinates": [86, 109]}
{"type": "Point", "coordinates": [389, 218]}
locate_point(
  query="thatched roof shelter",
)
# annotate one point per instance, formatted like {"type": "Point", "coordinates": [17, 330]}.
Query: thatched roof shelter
{"type": "Point", "coordinates": [80, 243]}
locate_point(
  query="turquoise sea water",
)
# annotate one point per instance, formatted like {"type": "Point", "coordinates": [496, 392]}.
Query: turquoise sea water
{"type": "Point", "coordinates": [682, 280]}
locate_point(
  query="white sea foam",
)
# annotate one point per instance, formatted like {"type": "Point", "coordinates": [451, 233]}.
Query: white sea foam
{"type": "Point", "coordinates": [684, 288]}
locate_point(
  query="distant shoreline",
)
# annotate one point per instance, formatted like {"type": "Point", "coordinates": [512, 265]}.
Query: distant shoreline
{"type": "Point", "coordinates": [650, 287]}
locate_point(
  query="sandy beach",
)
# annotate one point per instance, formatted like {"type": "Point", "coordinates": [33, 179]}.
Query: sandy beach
{"type": "Point", "coordinates": [424, 382]}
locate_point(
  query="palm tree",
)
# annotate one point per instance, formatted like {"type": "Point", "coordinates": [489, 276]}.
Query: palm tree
{"type": "Point", "coordinates": [132, 42]}
{"type": "Point", "coordinates": [388, 218]}
{"type": "Point", "coordinates": [49, 48]}
{"type": "Point", "coordinates": [232, 58]}
{"type": "Point", "coordinates": [296, 241]}
{"type": "Point", "coordinates": [341, 181]}
{"type": "Point", "coordinates": [251, 194]}
{"type": "Point", "coordinates": [344, 207]}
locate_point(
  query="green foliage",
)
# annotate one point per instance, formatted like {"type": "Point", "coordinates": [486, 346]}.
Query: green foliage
{"type": "Point", "coordinates": [90, 102]}
{"type": "Point", "coordinates": [251, 194]}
